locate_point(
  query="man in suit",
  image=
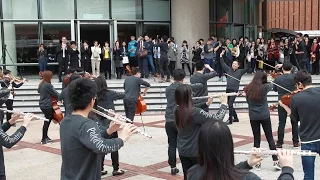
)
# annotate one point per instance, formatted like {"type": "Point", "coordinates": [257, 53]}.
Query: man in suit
{"type": "Point", "coordinates": [62, 56]}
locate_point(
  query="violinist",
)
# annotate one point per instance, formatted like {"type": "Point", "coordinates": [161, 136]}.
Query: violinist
{"type": "Point", "coordinates": [256, 96]}
{"type": "Point", "coordinates": [305, 108]}
{"type": "Point", "coordinates": [287, 81]}
{"type": "Point", "coordinates": [9, 82]}
{"type": "Point", "coordinates": [132, 91]}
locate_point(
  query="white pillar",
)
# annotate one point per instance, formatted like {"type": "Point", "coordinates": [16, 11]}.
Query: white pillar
{"type": "Point", "coordinates": [189, 21]}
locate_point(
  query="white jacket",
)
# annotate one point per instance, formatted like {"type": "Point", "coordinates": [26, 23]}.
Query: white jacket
{"type": "Point", "coordinates": [97, 50]}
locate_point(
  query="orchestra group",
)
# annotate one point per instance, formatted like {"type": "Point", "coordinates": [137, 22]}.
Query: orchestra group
{"type": "Point", "coordinates": [90, 128]}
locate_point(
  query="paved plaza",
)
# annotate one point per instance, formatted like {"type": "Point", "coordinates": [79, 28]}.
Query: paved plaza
{"type": "Point", "coordinates": [141, 158]}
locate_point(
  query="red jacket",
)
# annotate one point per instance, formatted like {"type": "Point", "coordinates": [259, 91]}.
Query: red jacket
{"type": "Point", "coordinates": [273, 51]}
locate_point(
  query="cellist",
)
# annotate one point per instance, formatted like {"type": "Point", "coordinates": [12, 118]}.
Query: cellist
{"type": "Point", "coordinates": [132, 88]}
{"type": "Point", "coordinates": [285, 80]}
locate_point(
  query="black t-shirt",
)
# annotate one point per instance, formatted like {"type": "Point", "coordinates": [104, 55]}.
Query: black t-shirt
{"type": "Point", "coordinates": [302, 48]}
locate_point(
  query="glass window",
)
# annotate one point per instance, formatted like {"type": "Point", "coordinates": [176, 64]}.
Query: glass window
{"type": "Point", "coordinates": [160, 13]}
{"type": "Point", "coordinates": [20, 9]}
{"type": "Point", "coordinates": [238, 32]}
{"type": "Point", "coordinates": [98, 9]}
{"type": "Point", "coordinates": [125, 31]}
{"type": "Point", "coordinates": [22, 43]}
{"type": "Point", "coordinates": [224, 10]}
{"type": "Point", "coordinates": [126, 9]}
{"type": "Point", "coordinates": [64, 9]}
{"type": "Point", "coordinates": [223, 30]}
{"type": "Point", "coordinates": [52, 33]}
{"type": "Point", "coordinates": [156, 29]}
{"type": "Point", "coordinates": [238, 11]}
{"type": "Point", "coordinates": [213, 28]}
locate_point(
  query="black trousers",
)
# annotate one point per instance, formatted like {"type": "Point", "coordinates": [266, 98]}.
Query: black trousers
{"type": "Point", "coordinates": [106, 68]}
{"type": "Point", "coordinates": [74, 64]}
{"type": "Point", "coordinates": [9, 104]}
{"type": "Point", "coordinates": [114, 156]}
{"type": "Point", "coordinates": [63, 66]}
{"type": "Point", "coordinates": [172, 134]}
{"type": "Point", "coordinates": [172, 66]}
{"type": "Point", "coordinates": [164, 65]}
{"type": "Point", "coordinates": [133, 62]}
{"type": "Point", "coordinates": [315, 67]}
{"type": "Point", "coordinates": [130, 106]}
{"type": "Point", "coordinates": [188, 66]}
{"type": "Point", "coordinates": [302, 64]}
{"type": "Point", "coordinates": [231, 99]}
{"type": "Point", "coordinates": [282, 123]}
{"type": "Point", "coordinates": [47, 114]}
{"type": "Point", "coordinates": [187, 163]}
{"type": "Point", "coordinates": [119, 72]}
{"type": "Point", "coordinates": [267, 128]}
{"type": "Point", "coordinates": [219, 67]}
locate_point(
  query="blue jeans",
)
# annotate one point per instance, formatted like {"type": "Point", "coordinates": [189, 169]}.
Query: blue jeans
{"type": "Point", "coordinates": [143, 66]}
{"type": "Point", "coordinates": [253, 64]}
{"type": "Point", "coordinates": [210, 62]}
{"type": "Point", "coordinates": [43, 65]}
{"type": "Point", "coordinates": [308, 161]}
{"type": "Point", "coordinates": [151, 64]}
{"type": "Point", "coordinates": [308, 64]}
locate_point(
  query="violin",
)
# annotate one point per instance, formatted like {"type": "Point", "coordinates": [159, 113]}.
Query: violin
{"type": "Point", "coordinates": [285, 99]}
{"type": "Point", "coordinates": [141, 105]}
{"type": "Point", "coordinates": [275, 74]}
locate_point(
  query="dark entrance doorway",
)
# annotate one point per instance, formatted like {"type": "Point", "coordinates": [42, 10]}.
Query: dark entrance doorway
{"type": "Point", "coordinates": [94, 32]}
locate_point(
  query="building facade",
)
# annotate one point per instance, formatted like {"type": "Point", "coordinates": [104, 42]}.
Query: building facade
{"type": "Point", "coordinates": [295, 15]}
{"type": "Point", "coordinates": [24, 24]}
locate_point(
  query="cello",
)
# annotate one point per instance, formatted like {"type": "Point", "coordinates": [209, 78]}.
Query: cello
{"type": "Point", "coordinates": [141, 105]}
{"type": "Point", "coordinates": [57, 115]}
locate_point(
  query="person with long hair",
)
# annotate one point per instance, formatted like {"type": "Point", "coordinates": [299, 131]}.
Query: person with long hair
{"type": "Point", "coordinates": [256, 95]}
{"type": "Point", "coordinates": [105, 99]}
{"type": "Point", "coordinates": [273, 55]}
{"type": "Point", "coordinates": [117, 53]}
{"type": "Point", "coordinates": [315, 55]}
{"type": "Point", "coordinates": [189, 119]}
{"type": "Point", "coordinates": [216, 157]}
{"type": "Point", "coordinates": [106, 61]}
{"type": "Point", "coordinates": [46, 91]}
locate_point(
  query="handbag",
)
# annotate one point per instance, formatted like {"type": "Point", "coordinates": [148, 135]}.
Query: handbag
{"type": "Point", "coordinates": [125, 60]}
{"type": "Point", "coordinates": [142, 54]}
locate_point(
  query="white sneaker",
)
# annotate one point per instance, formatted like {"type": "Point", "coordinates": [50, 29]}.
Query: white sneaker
{"type": "Point", "coordinates": [276, 165]}
{"type": "Point", "coordinates": [257, 166]}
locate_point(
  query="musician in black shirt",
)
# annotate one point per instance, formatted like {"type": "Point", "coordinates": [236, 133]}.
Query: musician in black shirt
{"type": "Point", "coordinates": [81, 141]}
{"type": "Point", "coordinates": [287, 81]}
{"type": "Point", "coordinates": [132, 88]}
{"type": "Point", "coordinates": [305, 108]}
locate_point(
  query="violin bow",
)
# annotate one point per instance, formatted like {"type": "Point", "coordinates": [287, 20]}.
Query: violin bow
{"type": "Point", "coordinates": [268, 64]}
{"type": "Point", "coordinates": [235, 78]}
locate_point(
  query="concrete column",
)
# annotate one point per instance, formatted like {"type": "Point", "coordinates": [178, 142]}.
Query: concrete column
{"type": "Point", "coordinates": [190, 22]}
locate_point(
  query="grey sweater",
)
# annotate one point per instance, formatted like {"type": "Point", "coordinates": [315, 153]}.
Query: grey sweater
{"type": "Point", "coordinates": [171, 103]}
{"type": "Point", "coordinates": [258, 110]}
{"type": "Point", "coordinates": [208, 54]}
{"type": "Point", "coordinates": [46, 90]}
{"type": "Point", "coordinates": [132, 87]}
{"type": "Point", "coordinates": [305, 108]}
{"type": "Point", "coordinates": [172, 53]}
{"type": "Point", "coordinates": [233, 84]}
{"type": "Point", "coordinates": [187, 143]}
{"type": "Point", "coordinates": [202, 79]}
{"type": "Point", "coordinates": [82, 147]}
